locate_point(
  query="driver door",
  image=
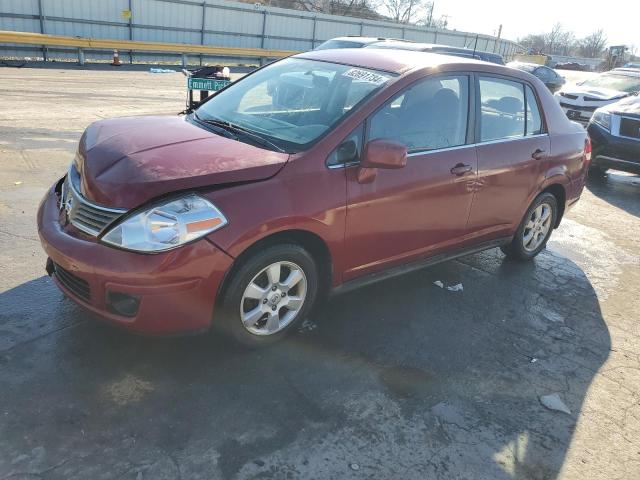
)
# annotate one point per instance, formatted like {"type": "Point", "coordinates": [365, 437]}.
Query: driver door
{"type": "Point", "coordinates": [422, 208]}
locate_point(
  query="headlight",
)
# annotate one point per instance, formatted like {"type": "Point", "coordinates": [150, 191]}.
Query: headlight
{"type": "Point", "coordinates": [165, 226]}
{"type": "Point", "coordinates": [603, 119]}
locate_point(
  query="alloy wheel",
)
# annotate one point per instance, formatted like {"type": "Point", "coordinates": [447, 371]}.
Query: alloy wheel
{"type": "Point", "coordinates": [537, 227]}
{"type": "Point", "coordinates": [273, 298]}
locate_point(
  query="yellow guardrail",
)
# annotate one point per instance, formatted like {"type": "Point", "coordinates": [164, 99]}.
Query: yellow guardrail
{"type": "Point", "coordinates": [539, 59]}
{"type": "Point", "coordinates": [28, 38]}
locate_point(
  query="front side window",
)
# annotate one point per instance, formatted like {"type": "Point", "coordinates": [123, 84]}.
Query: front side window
{"type": "Point", "coordinates": [430, 114]}
{"type": "Point", "coordinates": [502, 112]}
{"type": "Point", "coordinates": [293, 102]}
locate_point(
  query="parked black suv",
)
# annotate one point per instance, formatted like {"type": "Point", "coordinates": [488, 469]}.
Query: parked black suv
{"type": "Point", "coordinates": [615, 136]}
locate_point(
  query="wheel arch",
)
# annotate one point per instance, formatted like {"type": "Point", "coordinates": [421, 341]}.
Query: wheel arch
{"type": "Point", "coordinates": [306, 239]}
{"type": "Point", "coordinates": [557, 190]}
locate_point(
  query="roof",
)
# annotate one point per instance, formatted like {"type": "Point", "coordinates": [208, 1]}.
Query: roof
{"type": "Point", "coordinates": [419, 46]}
{"type": "Point", "coordinates": [402, 45]}
{"type": "Point", "coordinates": [363, 40]}
{"type": "Point", "coordinates": [357, 38]}
{"type": "Point", "coordinates": [524, 64]}
{"type": "Point", "coordinates": [388, 60]}
{"type": "Point", "coordinates": [629, 72]}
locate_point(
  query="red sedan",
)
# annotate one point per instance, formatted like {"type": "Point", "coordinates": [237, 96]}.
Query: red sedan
{"type": "Point", "coordinates": [313, 175]}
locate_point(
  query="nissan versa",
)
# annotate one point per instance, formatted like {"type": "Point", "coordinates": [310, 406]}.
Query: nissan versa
{"type": "Point", "coordinates": [310, 176]}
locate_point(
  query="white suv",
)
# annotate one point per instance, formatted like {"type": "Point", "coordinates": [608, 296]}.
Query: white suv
{"type": "Point", "coordinates": [580, 100]}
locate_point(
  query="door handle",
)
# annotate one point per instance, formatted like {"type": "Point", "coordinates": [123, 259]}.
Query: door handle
{"type": "Point", "coordinates": [461, 169]}
{"type": "Point", "coordinates": [538, 154]}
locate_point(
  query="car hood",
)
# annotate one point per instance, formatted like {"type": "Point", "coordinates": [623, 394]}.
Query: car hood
{"type": "Point", "coordinates": [124, 162]}
{"type": "Point", "coordinates": [603, 94]}
{"type": "Point", "coordinates": [626, 106]}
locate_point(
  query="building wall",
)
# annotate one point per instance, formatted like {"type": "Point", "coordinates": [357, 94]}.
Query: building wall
{"type": "Point", "coordinates": [208, 22]}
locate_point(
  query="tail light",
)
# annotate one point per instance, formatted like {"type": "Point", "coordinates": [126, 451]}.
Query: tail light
{"type": "Point", "coordinates": [587, 150]}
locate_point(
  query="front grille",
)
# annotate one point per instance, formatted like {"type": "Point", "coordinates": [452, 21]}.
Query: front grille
{"type": "Point", "coordinates": [83, 214]}
{"type": "Point", "coordinates": [592, 99]}
{"type": "Point", "coordinates": [73, 283]}
{"type": "Point", "coordinates": [630, 127]}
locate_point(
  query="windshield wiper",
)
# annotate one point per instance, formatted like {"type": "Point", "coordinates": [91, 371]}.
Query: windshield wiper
{"type": "Point", "coordinates": [226, 132]}
{"type": "Point", "coordinates": [238, 130]}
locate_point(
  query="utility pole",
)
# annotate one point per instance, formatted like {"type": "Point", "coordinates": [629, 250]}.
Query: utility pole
{"type": "Point", "coordinates": [495, 43]}
{"type": "Point", "coordinates": [42, 29]}
{"type": "Point", "coordinates": [430, 18]}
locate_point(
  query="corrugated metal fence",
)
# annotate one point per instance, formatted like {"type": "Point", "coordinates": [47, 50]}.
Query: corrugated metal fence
{"type": "Point", "coordinates": [208, 22]}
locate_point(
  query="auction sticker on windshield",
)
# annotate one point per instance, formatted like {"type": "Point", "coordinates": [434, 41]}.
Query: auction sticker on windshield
{"type": "Point", "coordinates": [366, 76]}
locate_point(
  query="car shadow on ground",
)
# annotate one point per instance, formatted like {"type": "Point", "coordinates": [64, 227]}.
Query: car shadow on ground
{"type": "Point", "coordinates": [620, 189]}
{"type": "Point", "coordinates": [402, 379]}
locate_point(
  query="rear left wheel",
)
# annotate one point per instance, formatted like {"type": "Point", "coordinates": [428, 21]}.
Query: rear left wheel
{"type": "Point", "coordinates": [535, 229]}
{"type": "Point", "coordinates": [268, 295]}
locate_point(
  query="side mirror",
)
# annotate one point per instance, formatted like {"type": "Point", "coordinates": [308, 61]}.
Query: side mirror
{"type": "Point", "coordinates": [384, 153]}
{"type": "Point", "coordinates": [381, 153]}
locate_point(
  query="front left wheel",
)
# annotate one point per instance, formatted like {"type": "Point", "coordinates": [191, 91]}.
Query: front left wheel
{"type": "Point", "coordinates": [268, 295]}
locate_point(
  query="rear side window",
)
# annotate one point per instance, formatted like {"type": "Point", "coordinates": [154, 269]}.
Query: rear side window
{"type": "Point", "coordinates": [430, 114]}
{"type": "Point", "coordinates": [534, 119]}
{"type": "Point", "coordinates": [502, 109]}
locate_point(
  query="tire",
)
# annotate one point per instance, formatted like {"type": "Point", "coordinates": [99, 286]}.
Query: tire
{"type": "Point", "coordinates": [252, 297]}
{"type": "Point", "coordinates": [523, 247]}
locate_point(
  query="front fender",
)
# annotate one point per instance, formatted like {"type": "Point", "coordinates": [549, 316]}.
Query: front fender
{"type": "Point", "coordinates": [310, 202]}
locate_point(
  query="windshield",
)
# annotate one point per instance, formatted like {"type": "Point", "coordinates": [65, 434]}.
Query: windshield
{"type": "Point", "coordinates": [622, 83]}
{"type": "Point", "coordinates": [293, 102]}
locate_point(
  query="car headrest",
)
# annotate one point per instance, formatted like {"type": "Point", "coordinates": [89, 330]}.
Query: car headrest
{"type": "Point", "coordinates": [422, 92]}
{"type": "Point", "coordinates": [511, 105]}
{"type": "Point", "coordinates": [445, 97]}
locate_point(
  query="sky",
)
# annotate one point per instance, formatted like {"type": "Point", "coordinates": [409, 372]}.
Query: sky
{"type": "Point", "coordinates": [620, 19]}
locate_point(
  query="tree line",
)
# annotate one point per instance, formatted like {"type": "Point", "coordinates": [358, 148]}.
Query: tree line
{"type": "Point", "coordinates": [564, 42]}
{"type": "Point", "coordinates": [417, 12]}
{"type": "Point", "coordinates": [558, 41]}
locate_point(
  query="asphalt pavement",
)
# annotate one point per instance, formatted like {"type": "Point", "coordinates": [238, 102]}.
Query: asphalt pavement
{"type": "Point", "coordinates": [400, 380]}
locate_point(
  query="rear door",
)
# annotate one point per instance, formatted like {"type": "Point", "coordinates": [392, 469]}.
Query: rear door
{"type": "Point", "coordinates": [512, 145]}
